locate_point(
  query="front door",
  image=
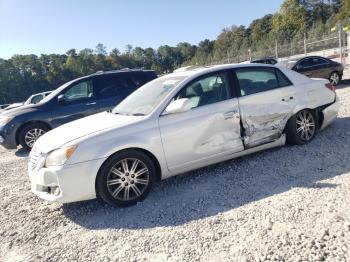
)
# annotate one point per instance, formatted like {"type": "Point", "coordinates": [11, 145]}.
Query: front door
{"type": "Point", "coordinates": [266, 103]}
{"type": "Point", "coordinates": [306, 67]}
{"type": "Point", "coordinates": [210, 130]}
{"type": "Point", "coordinates": [78, 101]}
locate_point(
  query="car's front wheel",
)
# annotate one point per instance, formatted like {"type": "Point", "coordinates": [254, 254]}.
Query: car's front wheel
{"type": "Point", "coordinates": [334, 78]}
{"type": "Point", "coordinates": [30, 134]}
{"type": "Point", "coordinates": [126, 178]}
{"type": "Point", "coordinates": [302, 127]}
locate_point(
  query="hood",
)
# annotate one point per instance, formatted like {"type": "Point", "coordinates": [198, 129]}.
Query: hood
{"type": "Point", "coordinates": [64, 134]}
{"type": "Point", "coordinates": [20, 110]}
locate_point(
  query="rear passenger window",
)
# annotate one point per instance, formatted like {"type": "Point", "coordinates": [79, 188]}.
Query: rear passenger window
{"type": "Point", "coordinates": [111, 86]}
{"type": "Point", "coordinates": [255, 80]}
{"type": "Point", "coordinates": [282, 79]}
{"type": "Point", "coordinates": [319, 61]}
{"type": "Point", "coordinates": [141, 78]}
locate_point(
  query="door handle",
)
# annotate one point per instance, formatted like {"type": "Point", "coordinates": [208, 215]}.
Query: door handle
{"type": "Point", "coordinates": [91, 104]}
{"type": "Point", "coordinates": [288, 98]}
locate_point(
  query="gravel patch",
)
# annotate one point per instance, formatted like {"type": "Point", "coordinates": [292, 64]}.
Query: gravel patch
{"type": "Point", "coordinates": [284, 204]}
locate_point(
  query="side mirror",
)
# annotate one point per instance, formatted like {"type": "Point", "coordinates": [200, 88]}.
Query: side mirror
{"type": "Point", "coordinates": [178, 106]}
{"type": "Point", "coordinates": [60, 98]}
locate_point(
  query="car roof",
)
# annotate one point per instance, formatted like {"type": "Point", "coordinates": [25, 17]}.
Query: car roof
{"type": "Point", "coordinates": [209, 69]}
{"type": "Point", "coordinates": [120, 71]}
{"type": "Point", "coordinates": [99, 73]}
{"type": "Point", "coordinates": [264, 58]}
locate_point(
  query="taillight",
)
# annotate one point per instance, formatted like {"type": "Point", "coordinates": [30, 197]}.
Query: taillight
{"type": "Point", "coordinates": [330, 87]}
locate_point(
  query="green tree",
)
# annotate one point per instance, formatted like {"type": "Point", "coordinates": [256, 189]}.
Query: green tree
{"type": "Point", "coordinates": [291, 20]}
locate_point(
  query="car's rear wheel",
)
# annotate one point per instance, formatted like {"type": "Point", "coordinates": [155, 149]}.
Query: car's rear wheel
{"type": "Point", "coordinates": [30, 134]}
{"type": "Point", "coordinates": [302, 127]}
{"type": "Point", "coordinates": [334, 78]}
{"type": "Point", "coordinates": [126, 178]}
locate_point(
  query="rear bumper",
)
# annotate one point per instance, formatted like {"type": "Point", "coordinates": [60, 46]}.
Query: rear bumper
{"type": "Point", "coordinates": [330, 113]}
{"type": "Point", "coordinates": [67, 183]}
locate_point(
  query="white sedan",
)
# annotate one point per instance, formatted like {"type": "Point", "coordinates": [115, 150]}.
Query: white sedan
{"type": "Point", "coordinates": [176, 123]}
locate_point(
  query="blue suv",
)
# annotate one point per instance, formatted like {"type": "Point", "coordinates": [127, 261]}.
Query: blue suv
{"type": "Point", "coordinates": [76, 99]}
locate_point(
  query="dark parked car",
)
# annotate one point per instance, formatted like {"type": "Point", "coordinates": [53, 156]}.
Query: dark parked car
{"type": "Point", "coordinates": [317, 67]}
{"type": "Point", "coordinates": [76, 99]}
{"type": "Point", "coordinates": [267, 60]}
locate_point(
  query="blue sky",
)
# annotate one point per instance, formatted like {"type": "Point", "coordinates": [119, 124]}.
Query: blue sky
{"type": "Point", "coordinates": [41, 26]}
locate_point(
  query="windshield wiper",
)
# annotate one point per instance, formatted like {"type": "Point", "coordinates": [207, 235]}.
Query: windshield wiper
{"type": "Point", "coordinates": [138, 114]}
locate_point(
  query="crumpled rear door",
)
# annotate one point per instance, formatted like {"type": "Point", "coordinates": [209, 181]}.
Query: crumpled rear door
{"type": "Point", "coordinates": [265, 107]}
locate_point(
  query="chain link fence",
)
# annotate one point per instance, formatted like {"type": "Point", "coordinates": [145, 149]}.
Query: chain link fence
{"type": "Point", "coordinates": [335, 46]}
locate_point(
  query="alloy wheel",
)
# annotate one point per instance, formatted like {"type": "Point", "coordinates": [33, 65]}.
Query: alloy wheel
{"type": "Point", "coordinates": [32, 136]}
{"type": "Point", "coordinates": [306, 125]}
{"type": "Point", "coordinates": [128, 179]}
{"type": "Point", "coordinates": [334, 78]}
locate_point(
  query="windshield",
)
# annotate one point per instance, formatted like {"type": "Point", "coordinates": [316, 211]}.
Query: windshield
{"type": "Point", "coordinates": [56, 92]}
{"type": "Point", "coordinates": [146, 98]}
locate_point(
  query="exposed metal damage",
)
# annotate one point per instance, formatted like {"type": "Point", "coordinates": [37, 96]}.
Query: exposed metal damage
{"type": "Point", "coordinates": [261, 129]}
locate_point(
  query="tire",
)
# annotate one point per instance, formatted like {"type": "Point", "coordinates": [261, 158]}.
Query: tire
{"type": "Point", "coordinates": [302, 127]}
{"type": "Point", "coordinates": [30, 133]}
{"type": "Point", "coordinates": [126, 178]}
{"type": "Point", "coordinates": [334, 78]}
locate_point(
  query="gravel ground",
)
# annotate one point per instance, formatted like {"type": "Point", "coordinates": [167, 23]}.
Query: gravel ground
{"type": "Point", "coordinates": [285, 204]}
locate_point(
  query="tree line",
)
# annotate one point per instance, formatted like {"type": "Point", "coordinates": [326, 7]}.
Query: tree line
{"type": "Point", "coordinates": [23, 75]}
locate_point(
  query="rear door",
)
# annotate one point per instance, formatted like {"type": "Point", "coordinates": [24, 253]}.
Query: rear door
{"type": "Point", "coordinates": [142, 77]}
{"type": "Point", "coordinates": [267, 99]}
{"type": "Point", "coordinates": [210, 130]}
{"type": "Point", "coordinates": [111, 89]}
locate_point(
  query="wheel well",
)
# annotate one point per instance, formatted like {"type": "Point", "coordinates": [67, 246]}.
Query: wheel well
{"type": "Point", "coordinates": [27, 124]}
{"type": "Point", "coordinates": [336, 71]}
{"type": "Point", "coordinates": [149, 154]}
{"type": "Point", "coordinates": [317, 111]}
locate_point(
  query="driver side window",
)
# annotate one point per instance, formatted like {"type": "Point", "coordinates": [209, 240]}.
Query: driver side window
{"type": "Point", "coordinates": [83, 90]}
{"type": "Point", "coordinates": [306, 63]}
{"type": "Point", "coordinates": [207, 90]}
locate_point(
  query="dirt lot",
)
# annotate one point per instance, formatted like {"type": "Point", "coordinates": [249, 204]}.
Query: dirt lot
{"type": "Point", "coordinates": [285, 204]}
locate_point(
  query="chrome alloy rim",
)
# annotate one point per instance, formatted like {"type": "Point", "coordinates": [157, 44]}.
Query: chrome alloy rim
{"type": "Point", "coordinates": [33, 135]}
{"type": "Point", "coordinates": [305, 125]}
{"type": "Point", "coordinates": [334, 78]}
{"type": "Point", "coordinates": [128, 179]}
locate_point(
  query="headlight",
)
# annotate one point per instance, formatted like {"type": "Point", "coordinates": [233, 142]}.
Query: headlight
{"type": "Point", "coordinates": [60, 156]}
{"type": "Point", "coordinates": [4, 120]}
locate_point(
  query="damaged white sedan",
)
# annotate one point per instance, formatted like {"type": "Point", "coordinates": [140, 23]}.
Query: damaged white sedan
{"type": "Point", "coordinates": [176, 123]}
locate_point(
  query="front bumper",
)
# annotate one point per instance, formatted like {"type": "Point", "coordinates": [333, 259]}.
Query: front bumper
{"type": "Point", "coordinates": [330, 113]}
{"type": "Point", "coordinates": [65, 184]}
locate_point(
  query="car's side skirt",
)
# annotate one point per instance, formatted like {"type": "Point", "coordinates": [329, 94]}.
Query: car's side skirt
{"type": "Point", "coordinates": [279, 142]}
